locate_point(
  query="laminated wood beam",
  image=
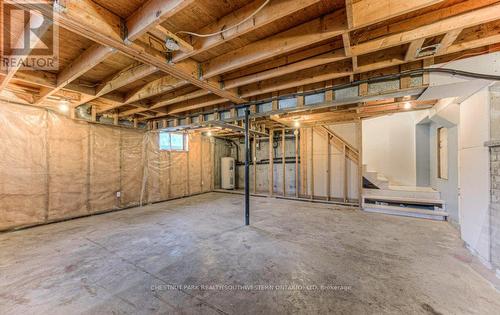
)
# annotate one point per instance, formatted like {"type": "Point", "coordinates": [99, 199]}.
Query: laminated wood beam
{"type": "Point", "coordinates": [272, 12]}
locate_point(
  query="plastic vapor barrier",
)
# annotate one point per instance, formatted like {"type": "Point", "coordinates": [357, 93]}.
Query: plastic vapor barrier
{"type": "Point", "coordinates": [54, 168]}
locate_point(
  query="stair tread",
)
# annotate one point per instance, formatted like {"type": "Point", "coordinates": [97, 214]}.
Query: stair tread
{"type": "Point", "coordinates": [410, 210]}
{"type": "Point", "coordinates": [392, 198]}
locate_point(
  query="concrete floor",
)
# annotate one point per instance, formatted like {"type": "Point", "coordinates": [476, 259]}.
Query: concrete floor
{"type": "Point", "coordinates": [122, 262]}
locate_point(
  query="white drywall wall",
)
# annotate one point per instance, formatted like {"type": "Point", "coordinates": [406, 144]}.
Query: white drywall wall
{"type": "Point", "coordinates": [389, 147]}
{"type": "Point", "coordinates": [474, 173]}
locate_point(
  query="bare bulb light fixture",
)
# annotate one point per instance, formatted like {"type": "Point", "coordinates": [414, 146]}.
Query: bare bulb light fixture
{"type": "Point", "coordinates": [296, 124]}
{"type": "Point", "coordinates": [172, 44]}
{"type": "Point", "coordinates": [407, 105]}
{"type": "Point", "coordinates": [64, 106]}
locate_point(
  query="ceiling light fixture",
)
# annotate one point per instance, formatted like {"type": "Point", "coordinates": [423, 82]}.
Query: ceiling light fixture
{"type": "Point", "coordinates": [64, 106]}
{"type": "Point", "coordinates": [209, 133]}
{"type": "Point", "coordinates": [407, 105]}
{"type": "Point", "coordinates": [172, 44]}
{"type": "Point", "coordinates": [296, 123]}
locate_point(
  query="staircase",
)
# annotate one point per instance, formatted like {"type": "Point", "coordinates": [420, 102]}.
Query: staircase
{"type": "Point", "coordinates": [380, 195]}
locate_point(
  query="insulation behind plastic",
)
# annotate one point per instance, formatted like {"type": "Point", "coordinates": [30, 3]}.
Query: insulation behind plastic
{"type": "Point", "coordinates": [54, 168]}
{"type": "Point", "coordinates": [104, 168]}
{"type": "Point", "coordinates": [23, 166]}
{"type": "Point", "coordinates": [68, 160]}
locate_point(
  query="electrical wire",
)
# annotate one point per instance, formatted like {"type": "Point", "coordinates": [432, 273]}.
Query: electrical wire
{"type": "Point", "coordinates": [229, 28]}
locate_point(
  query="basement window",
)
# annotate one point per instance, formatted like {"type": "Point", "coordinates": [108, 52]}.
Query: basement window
{"type": "Point", "coordinates": [195, 119]}
{"type": "Point", "coordinates": [171, 141]}
{"type": "Point", "coordinates": [265, 107]}
{"type": "Point", "coordinates": [442, 152]}
{"type": "Point", "coordinates": [241, 112]}
{"type": "Point", "coordinates": [225, 114]}
{"type": "Point", "coordinates": [287, 103]}
{"type": "Point", "coordinates": [208, 117]}
{"type": "Point", "coordinates": [314, 98]}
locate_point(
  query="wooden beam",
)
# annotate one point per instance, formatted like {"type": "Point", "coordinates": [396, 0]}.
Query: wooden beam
{"type": "Point", "coordinates": [347, 44]}
{"type": "Point", "coordinates": [483, 15]}
{"type": "Point", "coordinates": [306, 34]}
{"type": "Point", "coordinates": [152, 13]}
{"type": "Point", "coordinates": [366, 12]}
{"type": "Point", "coordinates": [411, 52]}
{"type": "Point", "coordinates": [153, 88]}
{"type": "Point", "coordinates": [126, 76]}
{"type": "Point", "coordinates": [309, 76]}
{"type": "Point", "coordinates": [272, 12]}
{"type": "Point", "coordinates": [322, 59]}
{"type": "Point", "coordinates": [88, 19]}
{"type": "Point", "coordinates": [448, 40]}
{"type": "Point", "coordinates": [35, 19]}
{"type": "Point", "coordinates": [83, 63]}
{"type": "Point", "coordinates": [349, 13]}
{"type": "Point", "coordinates": [183, 45]}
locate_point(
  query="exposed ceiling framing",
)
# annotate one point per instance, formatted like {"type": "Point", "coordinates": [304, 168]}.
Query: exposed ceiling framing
{"type": "Point", "coordinates": [116, 61]}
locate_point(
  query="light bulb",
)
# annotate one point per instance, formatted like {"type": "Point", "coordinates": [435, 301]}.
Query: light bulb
{"type": "Point", "coordinates": [407, 105]}
{"type": "Point", "coordinates": [64, 106]}
{"type": "Point", "coordinates": [296, 124]}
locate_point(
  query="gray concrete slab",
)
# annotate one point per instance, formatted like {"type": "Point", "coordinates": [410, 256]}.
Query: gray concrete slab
{"type": "Point", "coordinates": [155, 258]}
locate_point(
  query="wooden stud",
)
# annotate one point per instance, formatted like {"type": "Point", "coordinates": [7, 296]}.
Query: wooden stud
{"type": "Point", "coordinates": [360, 162]}
{"type": "Point", "coordinates": [329, 94]}
{"type": "Point", "coordinates": [345, 164]}
{"type": "Point", "coordinates": [271, 162]}
{"type": "Point", "coordinates": [300, 98]}
{"type": "Point", "coordinates": [283, 156]}
{"type": "Point", "coordinates": [254, 161]}
{"type": "Point", "coordinates": [312, 163]}
{"type": "Point", "coordinates": [328, 168]}
{"type": "Point", "coordinates": [296, 133]}
{"type": "Point", "coordinates": [426, 63]}
{"type": "Point", "coordinates": [363, 89]}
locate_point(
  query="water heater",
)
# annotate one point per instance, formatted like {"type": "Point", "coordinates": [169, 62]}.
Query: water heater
{"type": "Point", "coordinates": [227, 173]}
